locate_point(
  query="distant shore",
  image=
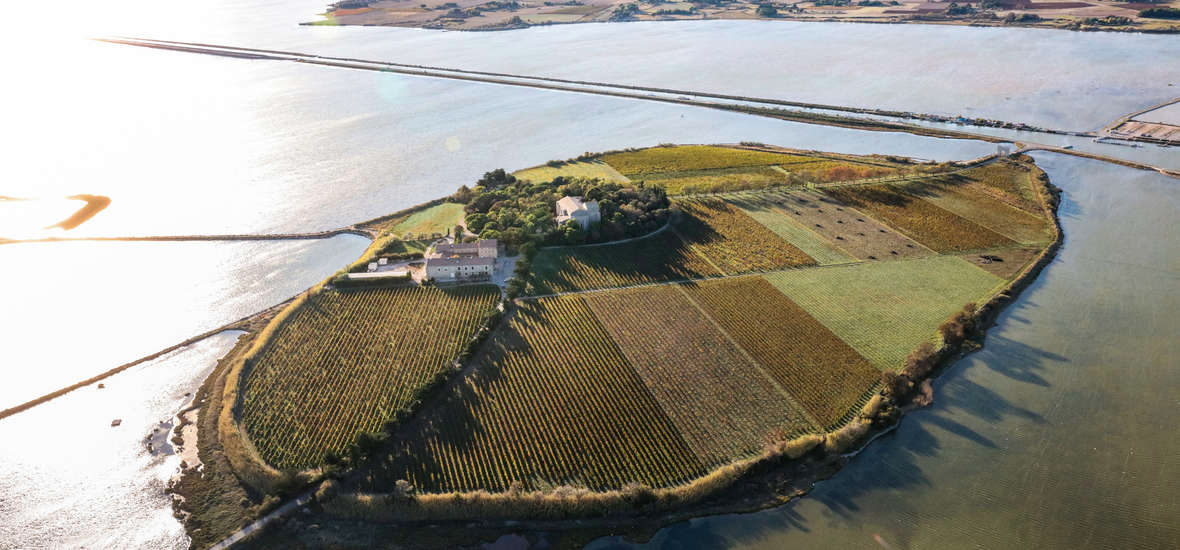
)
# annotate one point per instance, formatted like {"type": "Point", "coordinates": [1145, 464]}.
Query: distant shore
{"type": "Point", "coordinates": [496, 15]}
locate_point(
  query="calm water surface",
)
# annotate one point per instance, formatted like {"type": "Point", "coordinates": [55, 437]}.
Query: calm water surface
{"type": "Point", "coordinates": [196, 144]}
{"type": "Point", "coordinates": [1058, 434]}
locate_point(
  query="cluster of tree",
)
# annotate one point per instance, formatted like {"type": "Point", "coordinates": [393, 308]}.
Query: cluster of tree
{"type": "Point", "coordinates": [956, 9]}
{"type": "Point", "coordinates": [1161, 13]}
{"type": "Point", "coordinates": [624, 12]}
{"type": "Point", "coordinates": [767, 10]}
{"type": "Point", "coordinates": [1108, 21]}
{"type": "Point", "coordinates": [1022, 18]}
{"type": "Point", "coordinates": [520, 212]}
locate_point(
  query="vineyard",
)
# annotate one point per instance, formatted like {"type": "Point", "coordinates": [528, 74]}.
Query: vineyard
{"type": "Point", "coordinates": [660, 160]}
{"type": "Point", "coordinates": [346, 361]}
{"type": "Point", "coordinates": [763, 208]}
{"type": "Point", "coordinates": [983, 208]}
{"type": "Point", "coordinates": [723, 404]}
{"type": "Point", "coordinates": [886, 309]}
{"type": "Point", "coordinates": [826, 376]}
{"type": "Point", "coordinates": [553, 402]}
{"type": "Point", "coordinates": [693, 169]}
{"type": "Point", "coordinates": [926, 223]}
{"type": "Point", "coordinates": [660, 257]}
{"type": "Point", "coordinates": [592, 169]}
{"type": "Point", "coordinates": [733, 241]}
{"type": "Point", "coordinates": [1008, 181]}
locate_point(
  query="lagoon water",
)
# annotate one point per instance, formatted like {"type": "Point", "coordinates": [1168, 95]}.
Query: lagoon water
{"type": "Point", "coordinates": [1058, 434]}
{"type": "Point", "coordinates": [195, 144]}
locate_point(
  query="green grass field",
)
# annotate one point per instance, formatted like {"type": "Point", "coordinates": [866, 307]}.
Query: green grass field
{"type": "Point", "coordinates": [593, 169]}
{"type": "Point", "coordinates": [886, 309]}
{"type": "Point", "coordinates": [439, 219]}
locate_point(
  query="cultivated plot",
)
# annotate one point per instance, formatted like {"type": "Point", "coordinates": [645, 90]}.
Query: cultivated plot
{"type": "Point", "coordinates": [824, 374]}
{"type": "Point", "coordinates": [733, 241]}
{"type": "Point", "coordinates": [884, 310]}
{"type": "Point", "coordinates": [552, 402]}
{"type": "Point", "coordinates": [722, 402]}
{"type": "Point", "coordinates": [590, 169]}
{"type": "Point", "coordinates": [345, 362]}
{"type": "Point", "coordinates": [849, 230]}
{"type": "Point", "coordinates": [961, 197]}
{"type": "Point", "coordinates": [935, 227]}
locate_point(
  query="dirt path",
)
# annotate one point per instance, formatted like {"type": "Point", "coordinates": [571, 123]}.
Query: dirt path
{"type": "Point", "coordinates": [258, 524]}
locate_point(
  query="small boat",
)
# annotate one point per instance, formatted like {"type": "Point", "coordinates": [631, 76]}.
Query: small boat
{"type": "Point", "coordinates": [116, 422]}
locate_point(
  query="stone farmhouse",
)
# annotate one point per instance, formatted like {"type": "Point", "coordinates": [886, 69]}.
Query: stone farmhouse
{"type": "Point", "coordinates": [458, 261]}
{"type": "Point", "coordinates": [573, 208]}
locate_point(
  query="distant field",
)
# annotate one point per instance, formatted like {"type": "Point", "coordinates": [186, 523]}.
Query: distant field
{"type": "Point", "coordinates": [935, 227]}
{"type": "Point", "coordinates": [346, 361]}
{"type": "Point", "coordinates": [656, 160]}
{"type": "Point", "coordinates": [723, 404]}
{"type": "Point", "coordinates": [721, 179]}
{"type": "Point", "coordinates": [439, 219]}
{"type": "Point", "coordinates": [553, 403]}
{"type": "Point", "coordinates": [709, 169]}
{"type": "Point", "coordinates": [824, 374]}
{"type": "Point", "coordinates": [583, 169]}
{"type": "Point", "coordinates": [886, 309]}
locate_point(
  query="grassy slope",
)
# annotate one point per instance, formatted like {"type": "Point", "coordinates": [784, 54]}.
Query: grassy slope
{"type": "Point", "coordinates": [730, 405]}
{"type": "Point", "coordinates": [886, 309]}
{"type": "Point", "coordinates": [436, 219]}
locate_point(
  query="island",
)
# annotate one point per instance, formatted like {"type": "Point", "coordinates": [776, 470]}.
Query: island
{"type": "Point", "coordinates": [610, 342]}
{"type": "Point", "coordinates": [484, 15]}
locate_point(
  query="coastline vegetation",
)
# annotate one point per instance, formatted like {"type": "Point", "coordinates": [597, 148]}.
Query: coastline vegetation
{"type": "Point", "coordinates": [824, 357]}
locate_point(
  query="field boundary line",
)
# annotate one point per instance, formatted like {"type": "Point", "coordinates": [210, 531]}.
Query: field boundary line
{"type": "Point", "coordinates": [757, 365]}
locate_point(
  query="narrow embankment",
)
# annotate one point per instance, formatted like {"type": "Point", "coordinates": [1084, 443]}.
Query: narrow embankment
{"type": "Point", "coordinates": [183, 238]}
{"type": "Point", "coordinates": [278, 54]}
{"type": "Point", "coordinates": [772, 110]}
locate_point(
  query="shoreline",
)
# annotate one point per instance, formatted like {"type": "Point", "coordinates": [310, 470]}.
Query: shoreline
{"type": "Point", "coordinates": [766, 480]}
{"type": "Point", "coordinates": [362, 14]}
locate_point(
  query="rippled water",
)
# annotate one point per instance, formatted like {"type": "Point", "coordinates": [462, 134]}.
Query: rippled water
{"type": "Point", "coordinates": [1058, 434]}
{"type": "Point", "coordinates": [70, 480]}
{"type": "Point", "coordinates": [73, 310]}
